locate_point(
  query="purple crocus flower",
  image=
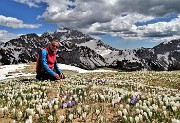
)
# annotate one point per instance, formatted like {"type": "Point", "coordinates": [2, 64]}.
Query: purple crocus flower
{"type": "Point", "coordinates": [67, 103]}
{"type": "Point", "coordinates": [67, 95]}
{"type": "Point", "coordinates": [100, 81]}
{"type": "Point", "coordinates": [133, 100]}
{"type": "Point", "coordinates": [72, 102]}
{"type": "Point", "coordinates": [64, 105]}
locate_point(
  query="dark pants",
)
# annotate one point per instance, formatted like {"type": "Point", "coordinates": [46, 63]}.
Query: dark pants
{"type": "Point", "coordinates": [45, 76]}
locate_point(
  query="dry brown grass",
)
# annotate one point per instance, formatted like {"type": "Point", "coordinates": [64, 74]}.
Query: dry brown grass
{"type": "Point", "coordinates": [31, 68]}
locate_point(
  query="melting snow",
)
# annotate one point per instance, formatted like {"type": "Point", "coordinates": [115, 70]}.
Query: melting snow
{"type": "Point", "coordinates": [16, 69]}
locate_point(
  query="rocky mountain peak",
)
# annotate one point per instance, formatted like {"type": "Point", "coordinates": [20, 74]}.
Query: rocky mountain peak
{"type": "Point", "coordinates": [87, 52]}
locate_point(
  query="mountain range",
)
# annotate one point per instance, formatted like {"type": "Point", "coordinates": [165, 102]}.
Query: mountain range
{"type": "Point", "coordinates": [86, 52]}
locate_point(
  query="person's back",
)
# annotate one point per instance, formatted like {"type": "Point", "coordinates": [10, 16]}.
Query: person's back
{"type": "Point", "coordinates": [46, 64]}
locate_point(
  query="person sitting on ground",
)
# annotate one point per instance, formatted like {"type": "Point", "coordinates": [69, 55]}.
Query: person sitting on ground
{"type": "Point", "coordinates": [46, 65]}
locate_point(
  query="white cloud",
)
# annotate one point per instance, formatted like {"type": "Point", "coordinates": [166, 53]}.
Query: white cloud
{"type": "Point", "coordinates": [166, 39]}
{"type": "Point", "coordinates": [6, 36]}
{"type": "Point", "coordinates": [161, 29]}
{"type": "Point", "coordinates": [114, 17]}
{"type": "Point", "coordinates": [15, 23]}
{"type": "Point", "coordinates": [30, 3]}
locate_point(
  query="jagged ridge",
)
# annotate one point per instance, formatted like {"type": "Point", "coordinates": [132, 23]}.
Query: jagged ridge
{"type": "Point", "coordinates": [86, 52]}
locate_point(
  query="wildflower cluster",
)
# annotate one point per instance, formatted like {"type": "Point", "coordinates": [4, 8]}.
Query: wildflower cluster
{"type": "Point", "coordinates": [134, 97]}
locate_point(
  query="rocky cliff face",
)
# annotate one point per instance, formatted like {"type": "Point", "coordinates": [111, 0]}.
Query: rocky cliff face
{"type": "Point", "coordinates": [164, 56]}
{"type": "Point", "coordinates": [26, 48]}
{"type": "Point", "coordinates": [86, 52]}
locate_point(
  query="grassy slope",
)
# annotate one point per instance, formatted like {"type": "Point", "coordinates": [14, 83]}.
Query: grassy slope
{"type": "Point", "coordinates": [150, 78]}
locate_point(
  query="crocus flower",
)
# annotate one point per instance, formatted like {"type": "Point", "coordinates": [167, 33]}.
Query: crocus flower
{"type": "Point", "coordinates": [137, 119]}
{"type": "Point", "coordinates": [97, 111]}
{"type": "Point", "coordinates": [70, 116]}
{"type": "Point", "coordinates": [56, 107]}
{"type": "Point", "coordinates": [120, 113]}
{"type": "Point", "coordinates": [131, 119]}
{"type": "Point", "coordinates": [84, 115]}
{"type": "Point", "coordinates": [72, 103]}
{"type": "Point", "coordinates": [64, 105]}
{"type": "Point", "coordinates": [100, 81]}
{"type": "Point", "coordinates": [133, 100]}
{"type": "Point", "coordinates": [19, 114]}
{"type": "Point", "coordinates": [61, 118]}
{"type": "Point", "coordinates": [50, 118]}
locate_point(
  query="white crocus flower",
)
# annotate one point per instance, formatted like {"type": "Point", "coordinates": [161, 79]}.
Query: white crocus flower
{"type": "Point", "coordinates": [20, 103]}
{"type": "Point", "coordinates": [164, 108]}
{"type": "Point", "coordinates": [38, 109]}
{"type": "Point", "coordinates": [41, 112]}
{"type": "Point", "coordinates": [155, 107]}
{"type": "Point", "coordinates": [30, 111]}
{"type": "Point", "coordinates": [56, 107]}
{"type": "Point", "coordinates": [125, 118]}
{"type": "Point", "coordinates": [101, 119]}
{"type": "Point", "coordinates": [125, 112]}
{"type": "Point", "coordinates": [102, 97]}
{"type": "Point", "coordinates": [79, 110]}
{"type": "Point", "coordinates": [84, 115]}
{"type": "Point", "coordinates": [127, 106]}
{"type": "Point", "coordinates": [129, 100]}
{"type": "Point", "coordinates": [44, 105]}
{"type": "Point", "coordinates": [150, 114]}
{"type": "Point", "coordinates": [61, 118]}
{"type": "Point", "coordinates": [137, 111]}
{"type": "Point", "coordinates": [28, 121]}
{"type": "Point", "coordinates": [113, 102]}
{"type": "Point", "coordinates": [37, 116]}
{"type": "Point", "coordinates": [140, 117]}
{"type": "Point", "coordinates": [151, 108]}
{"type": "Point", "coordinates": [85, 94]}
{"type": "Point", "coordinates": [30, 117]}
{"type": "Point", "coordinates": [175, 120]}
{"type": "Point", "coordinates": [97, 111]}
{"type": "Point", "coordinates": [165, 113]}
{"type": "Point", "coordinates": [14, 111]}
{"type": "Point", "coordinates": [70, 117]}
{"type": "Point", "coordinates": [145, 114]}
{"type": "Point", "coordinates": [142, 112]}
{"type": "Point", "coordinates": [19, 114]}
{"type": "Point", "coordinates": [5, 109]}
{"type": "Point", "coordinates": [121, 106]}
{"type": "Point", "coordinates": [137, 105]}
{"type": "Point", "coordinates": [76, 99]}
{"type": "Point", "coordinates": [120, 113]}
{"type": "Point", "coordinates": [137, 119]}
{"type": "Point", "coordinates": [50, 105]}
{"type": "Point", "coordinates": [174, 108]}
{"type": "Point", "coordinates": [50, 118]}
{"type": "Point", "coordinates": [131, 119]}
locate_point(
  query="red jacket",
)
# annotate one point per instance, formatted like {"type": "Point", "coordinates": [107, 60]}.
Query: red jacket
{"type": "Point", "coordinates": [48, 62]}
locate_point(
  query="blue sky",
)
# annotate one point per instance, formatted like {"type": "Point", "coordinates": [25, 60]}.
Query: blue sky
{"type": "Point", "coordinates": [118, 23]}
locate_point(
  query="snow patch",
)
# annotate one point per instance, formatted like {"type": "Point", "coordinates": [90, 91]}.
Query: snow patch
{"type": "Point", "coordinates": [5, 69]}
